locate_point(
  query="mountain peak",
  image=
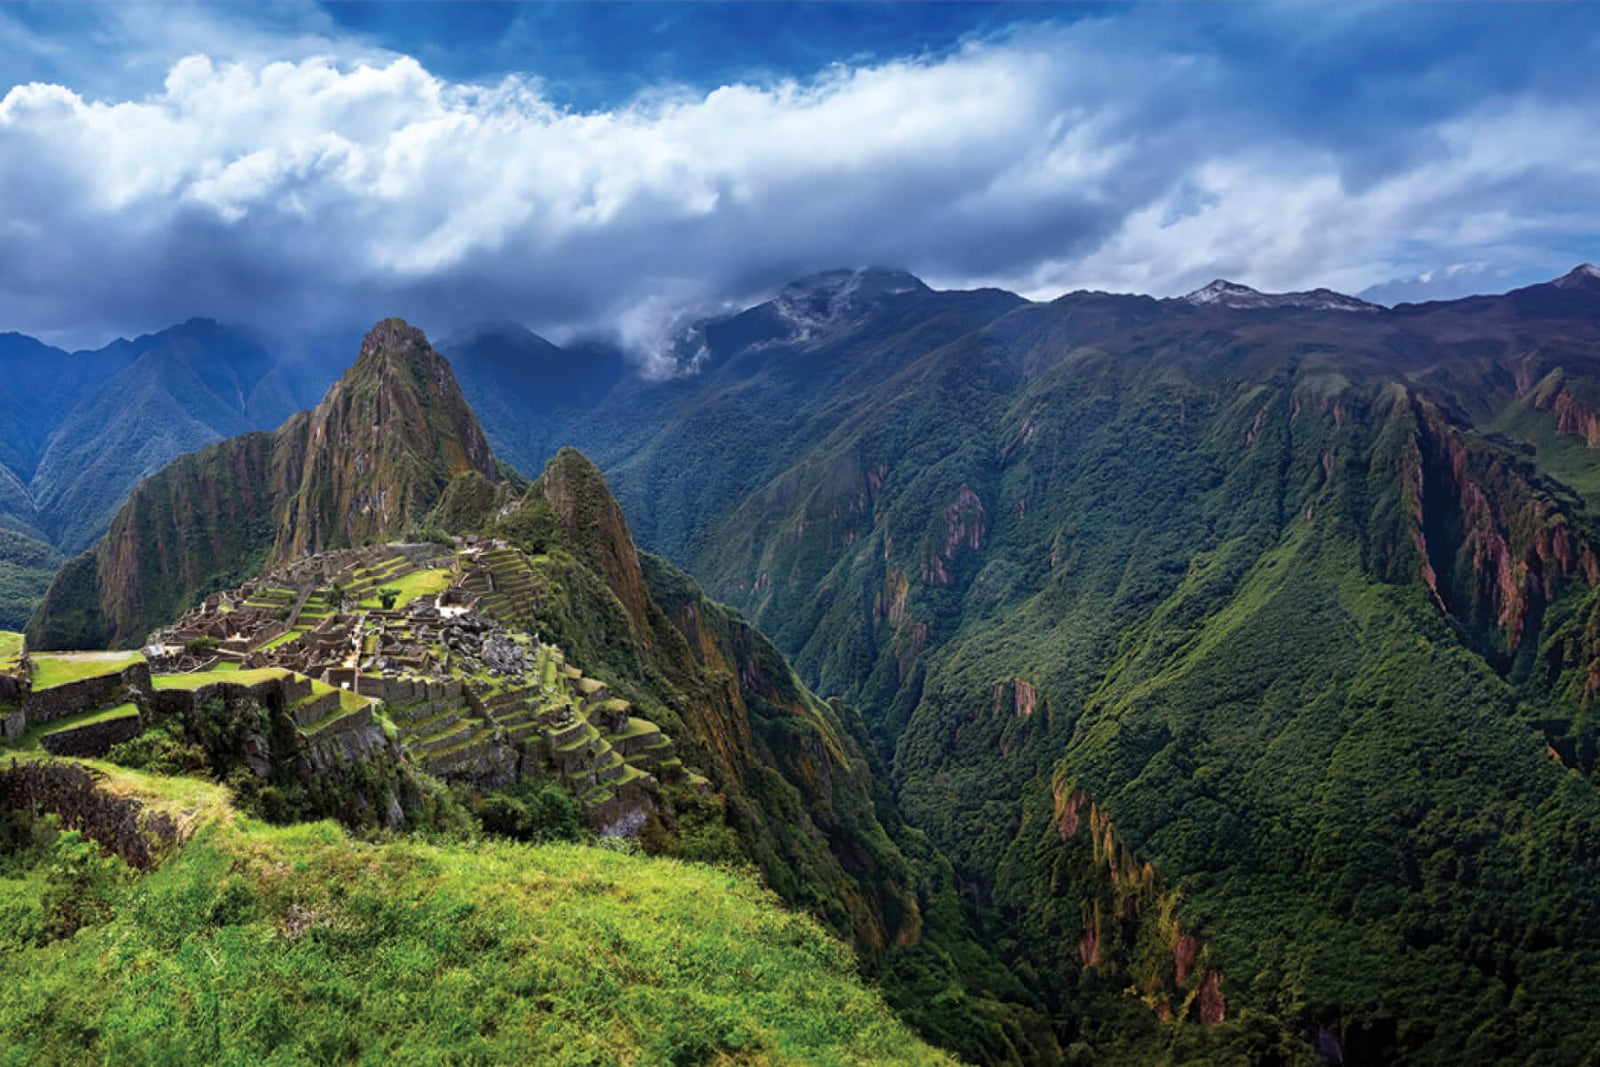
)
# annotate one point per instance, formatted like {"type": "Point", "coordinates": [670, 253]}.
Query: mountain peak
{"type": "Point", "coordinates": [1223, 293]}
{"type": "Point", "coordinates": [383, 444]}
{"type": "Point", "coordinates": [864, 282]}
{"type": "Point", "coordinates": [1584, 274]}
{"type": "Point", "coordinates": [392, 335]}
{"type": "Point", "coordinates": [818, 303]}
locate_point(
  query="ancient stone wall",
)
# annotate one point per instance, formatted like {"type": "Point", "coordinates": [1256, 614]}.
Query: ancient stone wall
{"type": "Point", "coordinates": [57, 702]}
{"type": "Point", "coordinates": [92, 740]}
{"type": "Point", "coordinates": [72, 793]}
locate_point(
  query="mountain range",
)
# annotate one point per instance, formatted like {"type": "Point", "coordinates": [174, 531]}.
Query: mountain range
{"type": "Point", "coordinates": [1237, 651]}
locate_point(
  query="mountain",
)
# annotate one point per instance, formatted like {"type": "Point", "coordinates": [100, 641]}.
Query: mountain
{"type": "Point", "coordinates": [1236, 297]}
{"type": "Point", "coordinates": [1237, 649]}
{"type": "Point", "coordinates": [181, 389]}
{"type": "Point", "coordinates": [1229, 665]}
{"type": "Point", "coordinates": [791, 785]}
{"type": "Point", "coordinates": [367, 463]}
{"type": "Point", "coordinates": [524, 389]}
{"type": "Point", "coordinates": [84, 427]}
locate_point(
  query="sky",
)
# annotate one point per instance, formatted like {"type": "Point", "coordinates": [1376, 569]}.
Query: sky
{"type": "Point", "coordinates": [587, 166]}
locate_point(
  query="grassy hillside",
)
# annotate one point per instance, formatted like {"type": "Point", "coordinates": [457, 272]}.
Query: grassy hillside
{"type": "Point", "coordinates": [300, 945]}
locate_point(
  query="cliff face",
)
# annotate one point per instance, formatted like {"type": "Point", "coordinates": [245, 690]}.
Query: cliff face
{"type": "Point", "coordinates": [367, 464]}
{"type": "Point", "coordinates": [382, 446]}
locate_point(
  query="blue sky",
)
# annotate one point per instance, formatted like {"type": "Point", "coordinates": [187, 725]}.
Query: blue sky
{"type": "Point", "coordinates": [575, 166]}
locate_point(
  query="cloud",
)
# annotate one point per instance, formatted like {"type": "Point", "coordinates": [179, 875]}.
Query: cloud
{"type": "Point", "coordinates": [327, 190]}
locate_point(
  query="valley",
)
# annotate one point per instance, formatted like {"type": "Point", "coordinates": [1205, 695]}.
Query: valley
{"type": "Point", "coordinates": [1208, 678]}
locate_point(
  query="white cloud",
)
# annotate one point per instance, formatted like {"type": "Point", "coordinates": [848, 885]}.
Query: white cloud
{"type": "Point", "coordinates": [327, 190]}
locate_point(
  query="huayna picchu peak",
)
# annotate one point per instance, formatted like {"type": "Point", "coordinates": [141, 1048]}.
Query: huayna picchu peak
{"type": "Point", "coordinates": [368, 463]}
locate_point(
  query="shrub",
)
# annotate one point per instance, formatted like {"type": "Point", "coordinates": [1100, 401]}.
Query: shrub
{"type": "Point", "coordinates": [162, 749]}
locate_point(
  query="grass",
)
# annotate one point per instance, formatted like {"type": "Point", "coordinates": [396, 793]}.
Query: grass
{"type": "Point", "coordinates": [298, 945]}
{"type": "Point", "coordinates": [421, 583]}
{"type": "Point", "coordinates": [636, 728]}
{"type": "Point", "coordinates": [223, 666]}
{"type": "Point", "coordinates": [282, 639]}
{"type": "Point", "coordinates": [28, 743]}
{"type": "Point", "coordinates": [10, 649]}
{"type": "Point", "coordinates": [53, 669]}
{"type": "Point", "coordinates": [195, 681]}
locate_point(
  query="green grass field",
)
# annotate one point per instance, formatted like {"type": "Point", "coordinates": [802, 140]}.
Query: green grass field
{"type": "Point", "coordinates": [417, 584]}
{"type": "Point", "coordinates": [282, 639]}
{"type": "Point", "coordinates": [10, 649]}
{"type": "Point", "coordinates": [58, 668]}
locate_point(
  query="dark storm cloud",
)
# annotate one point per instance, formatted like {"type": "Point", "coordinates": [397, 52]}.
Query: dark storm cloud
{"type": "Point", "coordinates": [303, 175]}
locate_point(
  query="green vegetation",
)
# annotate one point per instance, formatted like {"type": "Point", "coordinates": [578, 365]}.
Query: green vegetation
{"type": "Point", "coordinates": [282, 639]}
{"type": "Point", "coordinates": [300, 945]}
{"type": "Point", "coordinates": [28, 743]}
{"type": "Point", "coordinates": [426, 582]}
{"type": "Point", "coordinates": [26, 567]}
{"type": "Point", "coordinates": [201, 678]}
{"type": "Point", "coordinates": [53, 669]}
{"type": "Point", "coordinates": [10, 649]}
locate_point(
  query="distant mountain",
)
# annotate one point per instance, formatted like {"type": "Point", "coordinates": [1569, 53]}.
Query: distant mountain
{"type": "Point", "coordinates": [82, 428]}
{"type": "Point", "coordinates": [368, 463]}
{"type": "Point", "coordinates": [1231, 295]}
{"type": "Point", "coordinates": [183, 388]}
{"type": "Point", "coordinates": [524, 389]}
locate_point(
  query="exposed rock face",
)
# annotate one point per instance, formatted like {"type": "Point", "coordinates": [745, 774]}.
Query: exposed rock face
{"type": "Point", "coordinates": [366, 465]}
{"type": "Point", "coordinates": [382, 446]}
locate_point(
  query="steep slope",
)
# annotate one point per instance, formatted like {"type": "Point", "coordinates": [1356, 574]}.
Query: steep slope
{"type": "Point", "coordinates": [367, 463]}
{"type": "Point", "coordinates": [796, 781]}
{"type": "Point", "coordinates": [181, 389]}
{"type": "Point", "coordinates": [42, 383]}
{"type": "Point", "coordinates": [382, 446]}
{"type": "Point", "coordinates": [27, 565]}
{"type": "Point", "coordinates": [1291, 604]}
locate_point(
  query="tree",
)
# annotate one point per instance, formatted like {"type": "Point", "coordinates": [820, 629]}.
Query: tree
{"type": "Point", "coordinates": [388, 595]}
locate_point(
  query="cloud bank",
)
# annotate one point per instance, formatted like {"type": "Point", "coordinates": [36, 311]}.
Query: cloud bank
{"type": "Point", "coordinates": [336, 188]}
